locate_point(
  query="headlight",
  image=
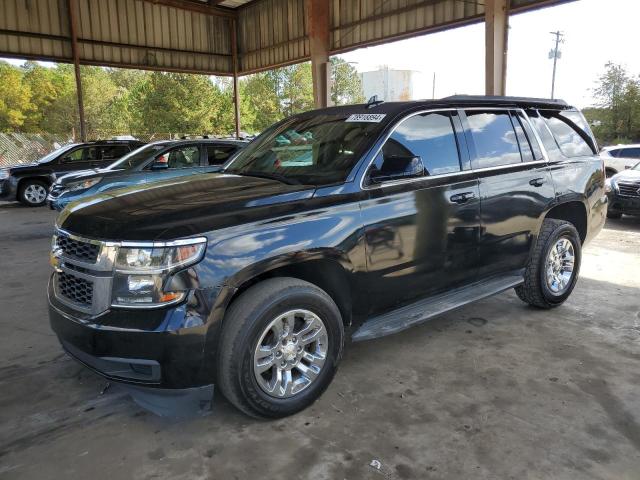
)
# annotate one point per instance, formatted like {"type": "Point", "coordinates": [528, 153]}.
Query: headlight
{"type": "Point", "coordinates": [83, 185]}
{"type": "Point", "coordinates": [142, 273]}
{"type": "Point", "coordinates": [4, 174]}
{"type": "Point", "coordinates": [609, 185]}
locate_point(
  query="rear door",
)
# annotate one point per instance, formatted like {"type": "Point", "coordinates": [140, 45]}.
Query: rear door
{"type": "Point", "coordinates": [515, 186]}
{"type": "Point", "coordinates": [421, 234]}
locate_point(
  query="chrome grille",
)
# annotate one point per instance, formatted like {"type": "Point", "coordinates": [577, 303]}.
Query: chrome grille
{"type": "Point", "coordinates": [629, 189]}
{"type": "Point", "coordinates": [76, 289]}
{"type": "Point", "coordinates": [87, 252]}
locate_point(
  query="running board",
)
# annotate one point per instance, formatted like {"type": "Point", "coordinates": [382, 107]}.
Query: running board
{"type": "Point", "coordinates": [423, 310]}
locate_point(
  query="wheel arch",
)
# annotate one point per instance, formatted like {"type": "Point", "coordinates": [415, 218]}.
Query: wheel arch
{"type": "Point", "coordinates": [326, 270]}
{"type": "Point", "coordinates": [42, 178]}
{"type": "Point", "coordinates": [573, 212]}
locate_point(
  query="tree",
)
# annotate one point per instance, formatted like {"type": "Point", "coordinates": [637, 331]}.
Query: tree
{"type": "Point", "coordinates": [15, 98]}
{"type": "Point", "coordinates": [346, 86]}
{"type": "Point", "coordinates": [618, 97]}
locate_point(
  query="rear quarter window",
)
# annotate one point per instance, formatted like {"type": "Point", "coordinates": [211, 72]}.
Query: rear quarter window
{"type": "Point", "coordinates": [570, 132]}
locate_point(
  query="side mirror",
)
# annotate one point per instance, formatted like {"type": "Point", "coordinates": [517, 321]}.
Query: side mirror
{"type": "Point", "coordinates": [160, 163]}
{"type": "Point", "coordinates": [396, 168]}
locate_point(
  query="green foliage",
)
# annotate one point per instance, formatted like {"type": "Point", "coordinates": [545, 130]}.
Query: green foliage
{"type": "Point", "coordinates": [616, 119]}
{"type": "Point", "coordinates": [15, 98]}
{"type": "Point", "coordinates": [34, 98]}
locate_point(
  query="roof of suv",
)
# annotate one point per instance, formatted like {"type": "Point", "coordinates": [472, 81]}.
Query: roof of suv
{"type": "Point", "coordinates": [223, 141]}
{"type": "Point", "coordinates": [448, 102]}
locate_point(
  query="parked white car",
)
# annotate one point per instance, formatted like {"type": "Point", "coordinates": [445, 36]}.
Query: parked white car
{"type": "Point", "coordinates": [618, 158]}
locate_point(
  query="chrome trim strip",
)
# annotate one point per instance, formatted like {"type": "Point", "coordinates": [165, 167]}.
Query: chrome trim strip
{"type": "Point", "coordinates": [135, 243]}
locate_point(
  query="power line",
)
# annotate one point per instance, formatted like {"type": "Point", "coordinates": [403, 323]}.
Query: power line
{"type": "Point", "coordinates": [555, 53]}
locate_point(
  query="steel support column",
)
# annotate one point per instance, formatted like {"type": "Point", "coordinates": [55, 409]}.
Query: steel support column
{"type": "Point", "coordinates": [496, 16]}
{"type": "Point", "coordinates": [319, 30]}
{"type": "Point", "coordinates": [73, 28]}
{"type": "Point", "coordinates": [236, 91]}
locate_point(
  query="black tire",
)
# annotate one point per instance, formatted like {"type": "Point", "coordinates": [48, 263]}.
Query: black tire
{"type": "Point", "coordinates": [248, 316]}
{"type": "Point", "coordinates": [26, 198]}
{"type": "Point", "coordinates": [535, 290]}
{"type": "Point", "coordinates": [614, 215]}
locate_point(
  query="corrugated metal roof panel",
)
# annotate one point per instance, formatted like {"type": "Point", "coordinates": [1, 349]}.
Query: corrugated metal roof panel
{"type": "Point", "coordinates": [272, 32]}
{"type": "Point", "coordinates": [359, 22]}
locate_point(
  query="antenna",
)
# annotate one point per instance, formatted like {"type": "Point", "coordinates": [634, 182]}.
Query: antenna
{"type": "Point", "coordinates": [373, 101]}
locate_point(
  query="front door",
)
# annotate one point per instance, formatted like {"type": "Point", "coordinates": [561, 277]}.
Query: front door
{"type": "Point", "coordinates": [421, 234]}
{"type": "Point", "coordinates": [516, 187]}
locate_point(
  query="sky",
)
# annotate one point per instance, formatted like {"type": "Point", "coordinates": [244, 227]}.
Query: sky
{"type": "Point", "coordinates": [596, 31]}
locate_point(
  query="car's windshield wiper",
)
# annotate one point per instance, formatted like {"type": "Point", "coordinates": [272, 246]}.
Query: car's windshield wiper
{"type": "Point", "coordinates": [269, 175]}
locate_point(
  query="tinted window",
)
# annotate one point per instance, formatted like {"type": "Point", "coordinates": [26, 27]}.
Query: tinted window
{"type": "Point", "coordinates": [218, 154]}
{"type": "Point", "coordinates": [615, 153]}
{"type": "Point", "coordinates": [550, 145]}
{"type": "Point", "coordinates": [494, 138]}
{"type": "Point", "coordinates": [314, 149]}
{"type": "Point", "coordinates": [523, 141]}
{"type": "Point", "coordinates": [569, 134]}
{"type": "Point", "coordinates": [113, 152]}
{"type": "Point", "coordinates": [429, 136]}
{"type": "Point", "coordinates": [137, 157]}
{"type": "Point", "coordinates": [528, 130]}
{"type": "Point", "coordinates": [85, 154]}
{"type": "Point", "coordinates": [629, 153]}
{"type": "Point", "coordinates": [182, 157]}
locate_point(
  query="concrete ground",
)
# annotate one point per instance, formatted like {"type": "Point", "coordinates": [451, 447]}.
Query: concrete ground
{"type": "Point", "coordinates": [495, 390]}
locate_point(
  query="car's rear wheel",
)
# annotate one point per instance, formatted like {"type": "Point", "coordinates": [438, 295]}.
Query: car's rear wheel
{"type": "Point", "coordinates": [281, 343]}
{"type": "Point", "coordinates": [554, 265]}
{"type": "Point", "coordinates": [33, 193]}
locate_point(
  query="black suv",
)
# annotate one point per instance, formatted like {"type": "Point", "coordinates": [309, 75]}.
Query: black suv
{"type": "Point", "coordinates": [29, 183]}
{"type": "Point", "coordinates": [348, 223]}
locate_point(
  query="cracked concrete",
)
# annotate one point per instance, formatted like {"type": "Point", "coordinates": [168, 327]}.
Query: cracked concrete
{"type": "Point", "coordinates": [494, 390]}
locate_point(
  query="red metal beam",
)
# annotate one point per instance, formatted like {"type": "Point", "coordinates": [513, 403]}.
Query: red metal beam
{"type": "Point", "coordinates": [73, 28]}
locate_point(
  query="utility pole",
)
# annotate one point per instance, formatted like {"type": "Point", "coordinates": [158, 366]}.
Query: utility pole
{"type": "Point", "coordinates": [555, 53]}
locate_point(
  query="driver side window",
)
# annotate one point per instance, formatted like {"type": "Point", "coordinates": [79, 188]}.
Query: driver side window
{"type": "Point", "coordinates": [428, 138]}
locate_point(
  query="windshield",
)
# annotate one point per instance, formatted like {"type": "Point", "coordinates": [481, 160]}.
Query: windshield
{"type": "Point", "coordinates": [51, 155]}
{"type": "Point", "coordinates": [137, 157]}
{"type": "Point", "coordinates": [318, 150]}
{"type": "Point", "coordinates": [637, 166]}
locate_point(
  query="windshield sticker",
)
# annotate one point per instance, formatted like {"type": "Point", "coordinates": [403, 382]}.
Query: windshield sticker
{"type": "Point", "coordinates": [366, 117]}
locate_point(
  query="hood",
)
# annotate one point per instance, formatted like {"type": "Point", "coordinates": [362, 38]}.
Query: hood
{"type": "Point", "coordinates": [86, 174]}
{"type": "Point", "coordinates": [627, 175]}
{"type": "Point", "coordinates": [181, 207]}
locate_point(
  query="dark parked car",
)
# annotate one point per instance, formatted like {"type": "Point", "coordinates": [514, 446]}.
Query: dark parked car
{"type": "Point", "coordinates": [29, 183]}
{"type": "Point", "coordinates": [150, 163]}
{"type": "Point", "coordinates": [367, 220]}
{"type": "Point", "coordinates": [623, 190]}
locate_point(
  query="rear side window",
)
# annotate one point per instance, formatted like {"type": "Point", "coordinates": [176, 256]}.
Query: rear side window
{"type": "Point", "coordinates": [550, 145]}
{"type": "Point", "coordinates": [568, 130]}
{"type": "Point", "coordinates": [629, 153]}
{"type": "Point", "coordinates": [114, 152]}
{"type": "Point", "coordinates": [494, 138]}
{"type": "Point", "coordinates": [429, 136]}
{"type": "Point", "coordinates": [218, 154]}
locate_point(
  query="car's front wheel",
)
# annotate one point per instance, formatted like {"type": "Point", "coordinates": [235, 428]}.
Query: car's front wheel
{"type": "Point", "coordinates": [281, 343]}
{"type": "Point", "coordinates": [33, 193]}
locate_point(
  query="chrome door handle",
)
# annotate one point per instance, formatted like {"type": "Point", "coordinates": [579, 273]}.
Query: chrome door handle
{"type": "Point", "coordinates": [462, 197]}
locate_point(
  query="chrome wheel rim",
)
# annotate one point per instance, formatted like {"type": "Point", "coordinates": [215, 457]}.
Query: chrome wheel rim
{"type": "Point", "coordinates": [35, 193]}
{"type": "Point", "coordinates": [290, 353]}
{"type": "Point", "coordinates": [559, 267]}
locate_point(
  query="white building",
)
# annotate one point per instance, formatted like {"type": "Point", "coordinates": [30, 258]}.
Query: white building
{"type": "Point", "coordinates": [389, 85]}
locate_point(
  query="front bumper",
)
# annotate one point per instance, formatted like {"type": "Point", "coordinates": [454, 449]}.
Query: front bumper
{"type": "Point", "coordinates": [155, 348]}
{"type": "Point", "coordinates": [8, 189]}
{"type": "Point", "coordinates": [623, 204]}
